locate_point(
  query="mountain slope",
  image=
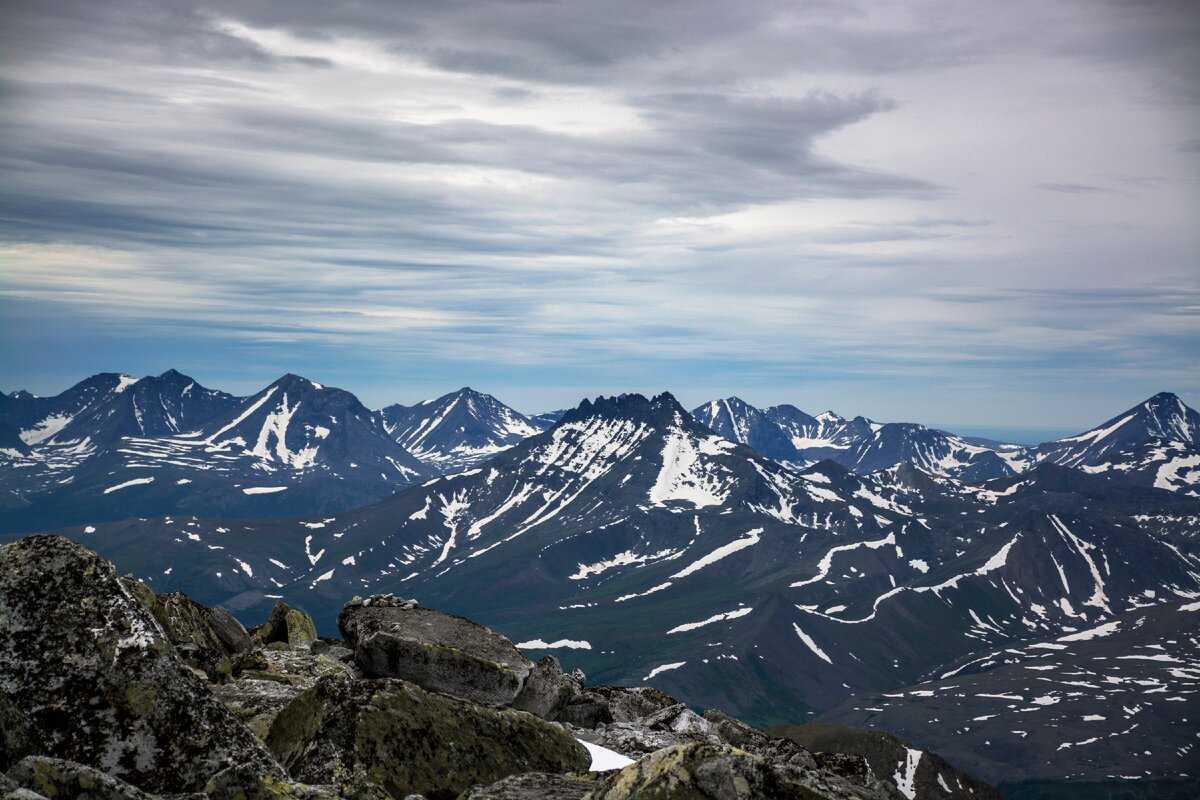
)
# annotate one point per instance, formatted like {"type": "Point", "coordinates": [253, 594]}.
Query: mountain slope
{"type": "Point", "coordinates": [457, 430]}
{"type": "Point", "coordinates": [1076, 705]}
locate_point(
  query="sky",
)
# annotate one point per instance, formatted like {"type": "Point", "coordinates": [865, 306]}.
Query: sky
{"type": "Point", "coordinates": [962, 213]}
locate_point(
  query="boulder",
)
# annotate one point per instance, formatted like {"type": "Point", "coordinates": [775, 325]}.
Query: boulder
{"type": "Point", "coordinates": [439, 652]}
{"type": "Point", "coordinates": [207, 638]}
{"type": "Point", "coordinates": [721, 772]}
{"type": "Point", "coordinates": [775, 749]}
{"type": "Point", "coordinates": [604, 704]}
{"type": "Point", "coordinates": [66, 780]}
{"type": "Point", "coordinates": [266, 680]}
{"type": "Point", "coordinates": [676, 724]}
{"type": "Point", "coordinates": [536, 786]}
{"type": "Point", "coordinates": [407, 740]}
{"type": "Point", "coordinates": [288, 626]}
{"type": "Point", "coordinates": [238, 783]}
{"type": "Point", "coordinates": [547, 689]}
{"type": "Point", "coordinates": [96, 676]}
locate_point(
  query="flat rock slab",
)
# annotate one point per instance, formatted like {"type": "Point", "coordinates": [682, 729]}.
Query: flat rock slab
{"type": "Point", "coordinates": [439, 652]}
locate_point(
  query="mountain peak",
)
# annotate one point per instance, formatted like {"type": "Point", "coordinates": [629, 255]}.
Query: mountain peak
{"type": "Point", "coordinates": [631, 406]}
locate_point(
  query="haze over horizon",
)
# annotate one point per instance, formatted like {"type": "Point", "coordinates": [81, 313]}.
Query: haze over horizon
{"type": "Point", "coordinates": [958, 214]}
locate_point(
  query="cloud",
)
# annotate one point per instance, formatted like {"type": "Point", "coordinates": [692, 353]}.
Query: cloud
{"type": "Point", "coordinates": [585, 195]}
{"type": "Point", "coordinates": [1073, 188]}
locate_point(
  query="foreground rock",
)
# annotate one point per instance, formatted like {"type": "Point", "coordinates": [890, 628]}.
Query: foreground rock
{"type": "Point", "coordinates": [537, 786]}
{"type": "Point", "coordinates": [53, 777]}
{"type": "Point", "coordinates": [286, 626]}
{"type": "Point", "coordinates": [722, 772]}
{"type": "Point", "coordinates": [395, 638]}
{"type": "Point", "coordinates": [96, 679]}
{"type": "Point", "coordinates": [407, 740]}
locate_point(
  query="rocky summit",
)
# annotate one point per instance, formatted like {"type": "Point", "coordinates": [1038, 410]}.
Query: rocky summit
{"type": "Point", "coordinates": [111, 691]}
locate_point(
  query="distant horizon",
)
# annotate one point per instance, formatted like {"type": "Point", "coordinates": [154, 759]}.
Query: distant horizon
{"type": "Point", "coordinates": [1009, 434]}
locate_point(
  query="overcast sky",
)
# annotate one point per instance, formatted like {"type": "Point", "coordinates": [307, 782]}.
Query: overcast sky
{"type": "Point", "coordinates": [949, 212]}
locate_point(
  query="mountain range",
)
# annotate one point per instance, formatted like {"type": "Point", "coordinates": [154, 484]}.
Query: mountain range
{"type": "Point", "coordinates": [782, 566]}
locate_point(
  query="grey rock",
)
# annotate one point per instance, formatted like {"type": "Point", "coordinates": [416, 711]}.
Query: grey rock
{"type": "Point", "coordinates": [98, 680]}
{"type": "Point", "coordinates": [547, 689]}
{"type": "Point", "coordinates": [286, 626]}
{"type": "Point", "coordinates": [775, 749]}
{"type": "Point", "coordinates": [439, 652]}
{"type": "Point", "coordinates": [599, 705]}
{"type": "Point", "coordinates": [722, 772]}
{"type": "Point", "coordinates": [66, 780]}
{"type": "Point", "coordinates": [537, 786]}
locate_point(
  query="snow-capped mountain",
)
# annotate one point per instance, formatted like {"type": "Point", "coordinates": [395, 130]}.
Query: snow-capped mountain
{"type": "Point", "coordinates": [166, 443]}
{"type": "Point", "coordinates": [740, 422]}
{"type": "Point", "coordinates": [649, 550]}
{"type": "Point", "coordinates": [42, 419]}
{"type": "Point", "coordinates": [457, 430]}
{"type": "Point", "coordinates": [787, 434]}
{"type": "Point", "coordinates": [1155, 443]}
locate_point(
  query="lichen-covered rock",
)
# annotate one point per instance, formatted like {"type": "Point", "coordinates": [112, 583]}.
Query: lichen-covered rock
{"type": "Point", "coordinates": [547, 689]}
{"type": "Point", "coordinates": [537, 786]}
{"type": "Point", "coordinates": [675, 724]}
{"type": "Point", "coordinates": [213, 633]}
{"type": "Point", "coordinates": [599, 705]}
{"type": "Point", "coordinates": [97, 678]}
{"type": "Point", "coordinates": [66, 780]}
{"type": "Point", "coordinates": [775, 749]}
{"type": "Point", "coordinates": [719, 772]}
{"type": "Point", "coordinates": [407, 740]}
{"type": "Point", "coordinates": [239, 783]}
{"type": "Point", "coordinates": [257, 695]}
{"type": "Point", "coordinates": [437, 651]}
{"type": "Point", "coordinates": [286, 625]}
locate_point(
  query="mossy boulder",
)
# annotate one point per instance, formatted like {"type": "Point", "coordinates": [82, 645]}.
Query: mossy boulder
{"type": "Point", "coordinates": [66, 780]}
{"type": "Point", "coordinates": [437, 651]}
{"type": "Point", "coordinates": [289, 626]}
{"type": "Point", "coordinates": [96, 677]}
{"type": "Point", "coordinates": [397, 735]}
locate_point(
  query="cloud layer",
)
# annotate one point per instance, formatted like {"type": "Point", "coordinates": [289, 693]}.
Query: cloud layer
{"type": "Point", "coordinates": [979, 213]}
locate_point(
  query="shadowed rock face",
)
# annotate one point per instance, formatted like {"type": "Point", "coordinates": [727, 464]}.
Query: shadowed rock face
{"type": "Point", "coordinates": [407, 740]}
{"type": "Point", "coordinates": [97, 680]}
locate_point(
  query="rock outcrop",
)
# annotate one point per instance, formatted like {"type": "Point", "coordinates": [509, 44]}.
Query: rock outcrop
{"type": "Point", "coordinates": [207, 638]}
{"type": "Point", "coordinates": [97, 678]}
{"type": "Point", "coordinates": [395, 734]}
{"type": "Point", "coordinates": [286, 626]}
